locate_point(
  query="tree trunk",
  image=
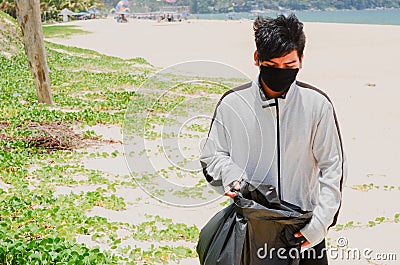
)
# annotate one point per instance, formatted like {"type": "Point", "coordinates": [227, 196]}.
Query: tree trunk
{"type": "Point", "coordinates": [28, 15]}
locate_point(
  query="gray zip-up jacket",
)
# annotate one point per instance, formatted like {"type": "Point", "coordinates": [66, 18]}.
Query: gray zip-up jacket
{"type": "Point", "coordinates": [292, 142]}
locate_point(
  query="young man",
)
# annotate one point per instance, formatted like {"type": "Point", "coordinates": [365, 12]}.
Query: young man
{"type": "Point", "coordinates": [282, 132]}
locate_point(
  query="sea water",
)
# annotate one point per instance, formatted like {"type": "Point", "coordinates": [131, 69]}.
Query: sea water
{"type": "Point", "coordinates": [380, 17]}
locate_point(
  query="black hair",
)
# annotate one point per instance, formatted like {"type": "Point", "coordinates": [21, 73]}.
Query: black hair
{"type": "Point", "coordinates": [277, 37]}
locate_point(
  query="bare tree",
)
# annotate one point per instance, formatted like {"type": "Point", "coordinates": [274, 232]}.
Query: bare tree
{"type": "Point", "coordinates": [29, 19]}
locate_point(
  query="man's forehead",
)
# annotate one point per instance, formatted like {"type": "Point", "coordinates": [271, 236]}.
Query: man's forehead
{"type": "Point", "coordinates": [290, 57]}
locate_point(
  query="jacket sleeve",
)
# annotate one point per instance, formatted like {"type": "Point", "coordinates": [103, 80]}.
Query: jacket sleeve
{"type": "Point", "coordinates": [217, 164]}
{"type": "Point", "coordinates": [328, 152]}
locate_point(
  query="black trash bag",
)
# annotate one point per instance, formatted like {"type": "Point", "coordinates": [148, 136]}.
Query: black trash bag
{"type": "Point", "coordinates": [256, 229]}
{"type": "Point", "coordinates": [221, 239]}
{"type": "Point", "coordinates": [271, 225]}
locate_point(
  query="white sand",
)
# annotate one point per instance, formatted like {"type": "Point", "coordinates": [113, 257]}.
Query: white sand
{"type": "Point", "coordinates": [357, 65]}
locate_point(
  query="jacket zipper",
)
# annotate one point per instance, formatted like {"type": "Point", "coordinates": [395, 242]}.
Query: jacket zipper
{"type": "Point", "coordinates": [278, 148]}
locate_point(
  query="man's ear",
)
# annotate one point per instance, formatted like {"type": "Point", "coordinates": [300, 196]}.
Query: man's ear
{"type": "Point", "coordinates": [256, 63]}
{"type": "Point", "coordinates": [301, 61]}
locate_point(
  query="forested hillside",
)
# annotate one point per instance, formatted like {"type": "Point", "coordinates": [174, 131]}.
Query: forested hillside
{"type": "Point", "coordinates": [209, 6]}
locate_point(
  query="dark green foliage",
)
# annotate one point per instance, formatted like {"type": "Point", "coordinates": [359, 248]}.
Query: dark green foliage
{"type": "Point", "coordinates": [51, 251]}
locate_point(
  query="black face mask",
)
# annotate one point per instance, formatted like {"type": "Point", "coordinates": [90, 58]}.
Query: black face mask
{"type": "Point", "coordinates": [278, 79]}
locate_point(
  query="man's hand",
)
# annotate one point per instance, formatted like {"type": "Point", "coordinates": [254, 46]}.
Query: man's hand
{"type": "Point", "coordinates": [228, 192]}
{"type": "Point", "coordinates": [298, 235]}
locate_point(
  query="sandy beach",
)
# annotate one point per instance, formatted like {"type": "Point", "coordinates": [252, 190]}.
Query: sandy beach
{"type": "Point", "coordinates": [357, 65]}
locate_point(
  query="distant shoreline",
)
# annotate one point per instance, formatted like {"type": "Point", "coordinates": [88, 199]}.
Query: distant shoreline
{"type": "Point", "coordinates": [307, 10]}
{"type": "Point", "coordinates": [366, 16]}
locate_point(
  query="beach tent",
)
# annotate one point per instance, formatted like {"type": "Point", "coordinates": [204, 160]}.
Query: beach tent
{"type": "Point", "coordinates": [94, 12]}
{"type": "Point", "coordinates": [83, 14]}
{"type": "Point", "coordinates": [65, 13]}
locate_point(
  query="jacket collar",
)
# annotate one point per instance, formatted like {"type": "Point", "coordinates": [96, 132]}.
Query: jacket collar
{"type": "Point", "coordinates": [269, 102]}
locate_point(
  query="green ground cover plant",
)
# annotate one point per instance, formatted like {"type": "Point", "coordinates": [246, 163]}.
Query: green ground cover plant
{"type": "Point", "coordinates": [61, 31]}
{"type": "Point", "coordinates": [38, 226]}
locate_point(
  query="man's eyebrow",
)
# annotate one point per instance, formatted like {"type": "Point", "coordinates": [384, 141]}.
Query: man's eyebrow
{"type": "Point", "coordinates": [269, 61]}
{"type": "Point", "coordinates": [294, 61]}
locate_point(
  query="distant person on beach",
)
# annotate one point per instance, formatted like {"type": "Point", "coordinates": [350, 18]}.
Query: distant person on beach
{"type": "Point", "coordinates": [280, 131]}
